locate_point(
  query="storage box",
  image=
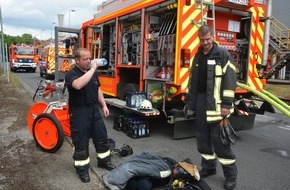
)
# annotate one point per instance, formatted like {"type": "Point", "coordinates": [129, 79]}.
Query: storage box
{"type": "Point", "coordinates": [137, 128]}
{"type": "Point", "coordinates": [242, 122]}
{"type": "Point", "coordinates": [134, 99]}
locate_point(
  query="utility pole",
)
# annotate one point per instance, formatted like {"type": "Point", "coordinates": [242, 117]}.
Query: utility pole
{"type": "Point", "coordinates": [52, 24]}
{"type": "Point", "coordinates": [34, 40]}
{"type": "Point", "coordinates": [2, 42]}
{"type": "Point", "coordinates": [41, 38]}
{"type": "Point", "coordinates": [72, 10]}
{"type": "Point", "coordinates": [40, 48]}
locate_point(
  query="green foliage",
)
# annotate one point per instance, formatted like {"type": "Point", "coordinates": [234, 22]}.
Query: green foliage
{"type": "Point", "coordinates": [25, 38]}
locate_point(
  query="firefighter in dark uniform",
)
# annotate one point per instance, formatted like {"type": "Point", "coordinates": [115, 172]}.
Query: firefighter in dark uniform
{"type": "Point", "coordinates": [85, 119]}
{"type": "Point", "coordinates": [210, 97]}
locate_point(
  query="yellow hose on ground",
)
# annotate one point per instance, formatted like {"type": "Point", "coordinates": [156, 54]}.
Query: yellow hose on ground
{"type": "Point", "coordinates": [284, 110]}
{"type": "Point", "coordinates": [272, 96]}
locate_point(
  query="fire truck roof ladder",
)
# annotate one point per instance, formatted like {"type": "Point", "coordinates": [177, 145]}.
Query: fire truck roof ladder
{"type": "Point", "coordinates": [205, 6]}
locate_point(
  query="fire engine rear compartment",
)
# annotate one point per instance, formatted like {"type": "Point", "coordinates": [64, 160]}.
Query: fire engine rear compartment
{"type": "Point", "coordinates": [144, 53]}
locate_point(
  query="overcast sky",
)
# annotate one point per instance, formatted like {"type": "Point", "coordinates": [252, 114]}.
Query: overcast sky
{"type": "Point", "coordinates": [35, 17]}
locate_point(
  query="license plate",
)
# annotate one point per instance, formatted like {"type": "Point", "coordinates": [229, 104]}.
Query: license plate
{"type": "Point", "coordinates": [240, 2]}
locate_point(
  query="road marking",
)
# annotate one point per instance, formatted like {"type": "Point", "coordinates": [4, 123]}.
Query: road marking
{"type": "Point", "coordinates": [286, 127]}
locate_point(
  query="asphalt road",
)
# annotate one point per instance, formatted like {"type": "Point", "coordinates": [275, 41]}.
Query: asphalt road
{"type": "Point", "coordinates": [263, 153]}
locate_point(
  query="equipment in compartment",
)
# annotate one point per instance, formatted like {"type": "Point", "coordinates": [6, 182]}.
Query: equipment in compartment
{"type": "Point", "coordinates": [105, 48]}
{"type": "Point", "coordinates": [131, 37]}
{"type": "Point", "coordinates": [161, 46]}
{"type": "Point", "coordinates": [237, 48]}
{"type": "Point", "coordinates": [226, 39]}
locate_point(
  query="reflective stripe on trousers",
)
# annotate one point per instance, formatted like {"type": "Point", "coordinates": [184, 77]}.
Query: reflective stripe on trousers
{"type": "Point", "coordinates": [208, 137]}
{"type": "Point", "coordinates": [82, 162]}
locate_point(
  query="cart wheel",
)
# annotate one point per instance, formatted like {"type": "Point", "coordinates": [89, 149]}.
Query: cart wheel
{"type": "Point", "coordinates": [48, 133]}
{"type": "Point", "coordinates": [34, 111]}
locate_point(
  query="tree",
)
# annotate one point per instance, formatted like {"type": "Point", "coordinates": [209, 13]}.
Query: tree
{"type": "Point", "coordinates": [25, 38]}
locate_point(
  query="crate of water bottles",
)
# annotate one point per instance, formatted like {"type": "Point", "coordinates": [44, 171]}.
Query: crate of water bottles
{"type": "Point", "coordinates": [134, 99]}
{"type": "Point", "coordinates": [137, 128]}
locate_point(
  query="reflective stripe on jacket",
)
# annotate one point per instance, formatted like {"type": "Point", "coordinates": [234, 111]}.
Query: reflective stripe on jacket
{"type": "Point", "coordinates": [221, 83]}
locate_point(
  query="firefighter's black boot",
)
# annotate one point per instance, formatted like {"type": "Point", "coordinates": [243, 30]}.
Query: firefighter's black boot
{"type": "Point", "coordinates": [208, 168]}
{"type": "Point", "coordinates": [82, 163]}
{"type": "Point", "coordinates": [85, 177]}
{"type": "Point", "coordinates": [206, 172]}
{"type": "Point", "coordinates": [230, 185]}
{"type": "Point", "coordinates": [230, 173]}
{"type": "Point", "coordinates": [106, 163]}
{"type": "Point", "coordinates": [83, 173]}
{"type": "Point", "coordinates": [104, 155]}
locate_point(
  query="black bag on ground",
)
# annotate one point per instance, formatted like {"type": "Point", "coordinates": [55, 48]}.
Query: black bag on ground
{"type": "Point", "coordinates": [125, 150]}
{"type": "Point", "coordinates": [185, 176]}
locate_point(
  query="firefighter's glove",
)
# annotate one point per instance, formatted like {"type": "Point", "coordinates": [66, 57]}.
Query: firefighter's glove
{"type": "Point", "coordinates": [188, 113]}
{"type": "Point", "coordinates": [125, 150]}
{"type": "Point", "coordinates": [227, 133]}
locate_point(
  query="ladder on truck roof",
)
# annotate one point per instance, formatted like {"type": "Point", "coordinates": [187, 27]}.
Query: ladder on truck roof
{"type": "Point", "coordinates": [205, 6]}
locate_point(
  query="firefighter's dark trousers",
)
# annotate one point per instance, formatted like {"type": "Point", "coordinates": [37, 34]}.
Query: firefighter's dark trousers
{"type": "Point", "coordinates": [209, 143]}
{"type": "Point", "coordinates": [86, 122]}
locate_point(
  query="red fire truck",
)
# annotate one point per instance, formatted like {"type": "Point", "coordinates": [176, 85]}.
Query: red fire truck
{"type": "Point", "coordinates": [22, 56]}
{"type": "Point", "coordinates": [150, 45]}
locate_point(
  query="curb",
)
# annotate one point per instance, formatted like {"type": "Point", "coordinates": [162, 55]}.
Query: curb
{"type": "Point", "coordinates": [29, 90]}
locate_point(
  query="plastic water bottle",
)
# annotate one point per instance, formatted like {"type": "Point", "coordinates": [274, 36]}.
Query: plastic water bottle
{"type": "Point", "coordinates": [133, 101]}
{"type": "Point", "coordinates": [143, 129]}
{"type": "Point", "coordinates": [137, 103]}
{"type": "Point", "coordinates": [147, 128]}
{"type": "Point", "coordinates": [163, 74]}
{"type": "Point", "coordinates": [140, 99]}
{"type": "Point", "coordinates": [143, 97]}
{"type": "Point", "coordinates": [134, 130]}
{"type": "Point", "coordinates": [140, 131]}
{"type": "Point", "coordinates": [168, 75]}
{"type": "Point", "coordinates": [101, 62]}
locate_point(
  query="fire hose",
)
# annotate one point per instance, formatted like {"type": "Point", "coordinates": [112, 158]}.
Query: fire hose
{"type": "Point", "coordinates": [267, 96]}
